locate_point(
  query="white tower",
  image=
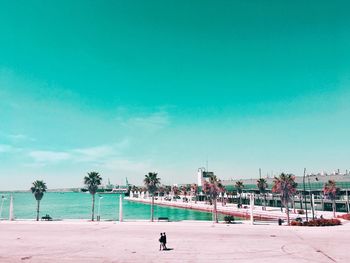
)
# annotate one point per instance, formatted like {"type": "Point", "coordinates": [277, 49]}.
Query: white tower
{"type": "Point", "coordinates": [200, 179]}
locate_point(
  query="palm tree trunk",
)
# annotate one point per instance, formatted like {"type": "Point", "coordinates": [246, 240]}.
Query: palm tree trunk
{"type": "Point", "coordinates": [264, 202]}
{"type": "Point", "coordinates": [93, 208]}
{"type": "Point", "coordinates": [37, 210]}
{"type": "Point", "coordinates": [334, 208]}
{"type": "Point", "coordinates": [287, 212]}
{"type": "Point", "coordinates": [215, 211]}
{"type": "Point", "coordinates": [281, 205]}
{"type": "Point", "coordinates": [293, 204]}
{"type": "Point", "coordinates": [152, 209]}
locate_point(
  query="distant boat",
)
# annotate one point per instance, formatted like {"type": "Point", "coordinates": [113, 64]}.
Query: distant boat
{"type": "Point", "coordinates": [111, 189]}
{"type": "Point", "coordinates": [119, 190]}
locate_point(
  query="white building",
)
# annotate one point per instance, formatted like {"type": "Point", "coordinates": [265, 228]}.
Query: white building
{"type": "Point", "coordinates": [202, 176]}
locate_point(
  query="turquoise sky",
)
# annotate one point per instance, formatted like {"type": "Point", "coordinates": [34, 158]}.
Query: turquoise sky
{"type": "Point", "coordinates": [128, 87]}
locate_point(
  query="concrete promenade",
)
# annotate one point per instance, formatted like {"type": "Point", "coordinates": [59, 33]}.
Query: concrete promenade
{"type": "Point", "coordinates": [82, 241]}
{"type": "Point", "coordinates": [271, 213]}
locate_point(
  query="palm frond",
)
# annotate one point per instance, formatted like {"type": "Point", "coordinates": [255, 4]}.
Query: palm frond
{"type": "Point", "coordinates": [92, 181]}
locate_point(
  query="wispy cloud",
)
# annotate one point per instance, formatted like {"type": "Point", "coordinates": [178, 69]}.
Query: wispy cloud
{"type": "Point", "coordinates": [109, 157]}
{"type": "Point", "coordinates": [151, 122]}
{"type": "Point", "coordinates": [122, 164]}
{"type": "Point", "coordinates": [97, 154]}
{"type": "Point", "coordinates": [92, 153]}
{"type": "Point", "coordinates": [5, 148]}
{"type": "Point", "coordinates": [20, 137]}
{"type": "Point", "coordinates": [49, 156]}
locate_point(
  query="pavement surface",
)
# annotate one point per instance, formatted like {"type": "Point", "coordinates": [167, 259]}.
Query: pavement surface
{"type": "Point", "coordinates": [78, 241]}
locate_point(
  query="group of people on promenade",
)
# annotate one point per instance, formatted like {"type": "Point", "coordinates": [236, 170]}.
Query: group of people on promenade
{"type": "Point", "coordinates": [162, 241]}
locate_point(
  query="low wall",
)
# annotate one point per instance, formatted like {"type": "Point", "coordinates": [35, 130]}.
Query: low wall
{"type": "Point", "coordinates": [226, 210]}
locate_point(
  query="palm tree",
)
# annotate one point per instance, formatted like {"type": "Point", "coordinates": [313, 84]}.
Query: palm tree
{"type": "Point", "coordinates": [222, 191]}
{"type": "Point", "coordinates": [175, 191]}
{"type": "Point", "coordinates": [167, 190]}
{"type": "Point", "coordinates": [185, 189]}
{"type": "Point", "coordinates": [188, 190]}
{"type": "Point", "coordinates": [262, 185]}
{"type": "Point", "coordinates": [38, 189]}
{"type": "Point", "coordinates": [92, 181]}
{"type": "Point", "coordinates": [300, 200]}
{"type": "Point", "coordinates": [194, 190]}
{"type": "Point", "coordinates": [212, 189]}
{"type": "Point", "coordinates": [239, 187]}
{"type": "Point", "coordinates": [286, 186]}
{"type": "Point", "coordinates": [152, 182]}
{"type": "Point", "coordinates": [144, 189]}
{"type": "Point", "coordinates": [330, 190]}
{"type": "Point", "coordinates": [161, 191]}
{"type": "Point", "coordinates": [134, 188]}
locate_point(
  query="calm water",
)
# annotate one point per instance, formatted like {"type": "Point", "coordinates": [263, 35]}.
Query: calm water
{"type": "Point", "coordinates": [78, 206]}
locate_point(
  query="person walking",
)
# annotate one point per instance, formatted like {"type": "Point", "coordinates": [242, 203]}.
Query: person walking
{"type": "Point", "coordinates": [164, 241]}
{"type": "Point", "coordinates": [161, 241]}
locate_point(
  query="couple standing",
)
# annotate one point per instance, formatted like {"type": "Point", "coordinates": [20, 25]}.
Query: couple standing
{"type": "Point", "coordinates": [162, 241]}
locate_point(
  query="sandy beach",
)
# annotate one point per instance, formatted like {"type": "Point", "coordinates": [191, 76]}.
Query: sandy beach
{"type": "Point", "coordinates": [79, 241]}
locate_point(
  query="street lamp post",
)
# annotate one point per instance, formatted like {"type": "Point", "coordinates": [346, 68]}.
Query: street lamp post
{"type": "Point", "coordinates": [2, 203]}
{"type": "Point", "coordinates": [251, 208]}
{"type": "Point", "coordinates": [11, 214]}
{"type": "Point", "coordinates": [99, 208]}
{"type": "Point", "coordinates": [315, 205]}
{"type": "Point", "coordinates": [305, 196]}
{"type": "Point", "coordinates": [311, 198]}
{"type": "Point", "coordinates": [121, 207]}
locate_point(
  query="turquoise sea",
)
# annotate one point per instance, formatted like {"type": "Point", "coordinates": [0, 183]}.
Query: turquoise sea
{"type": "Point", "coordinates": [71, 205]}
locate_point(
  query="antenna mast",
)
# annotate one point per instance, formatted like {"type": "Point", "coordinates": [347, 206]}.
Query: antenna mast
{"type": "Point", "coordinates": [207, 164]}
